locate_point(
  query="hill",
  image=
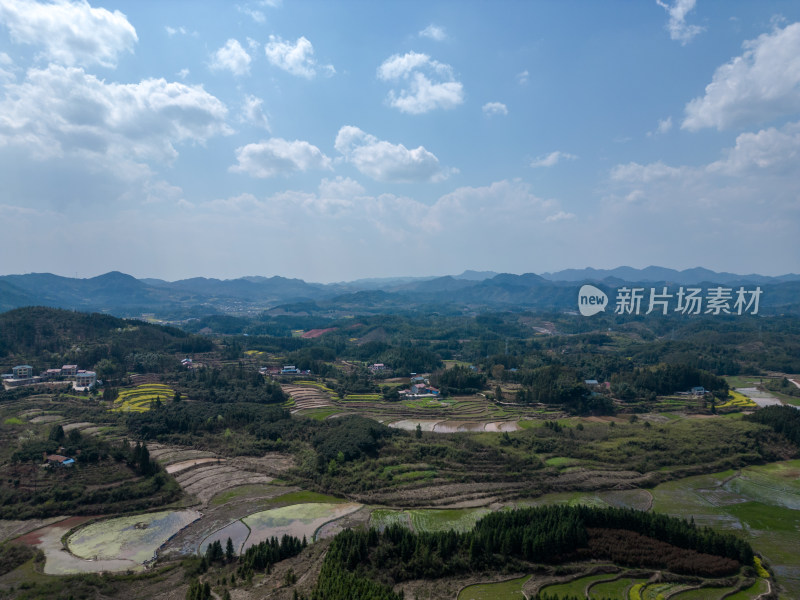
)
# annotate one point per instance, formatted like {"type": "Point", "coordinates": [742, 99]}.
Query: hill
{"type": "Point", "coordinates": [125, 296]}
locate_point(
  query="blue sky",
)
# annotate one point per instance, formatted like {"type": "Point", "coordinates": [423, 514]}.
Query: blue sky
{"type": "Point", "coordinates": [337, 140]}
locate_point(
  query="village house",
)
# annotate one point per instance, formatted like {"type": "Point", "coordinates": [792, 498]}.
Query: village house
{"type": "Point", "coordinates": [85, 380]}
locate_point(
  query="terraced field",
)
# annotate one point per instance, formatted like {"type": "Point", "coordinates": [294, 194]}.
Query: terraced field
{"type": "Point", "coordinates": [762, 501]}
{"type": "Point", "coordinates": [134, 538]}
{"type": "Point", "coordinates": [298, 520]}
{"type": "Point", "coordinates": [738, 400]}
{"type": "Point", "coordinates": [308, 397]}
{"type": "Point", "coordinates": [138, 399]}
{"type": "Point", "coordinates": [429, 519]}
{"type": "Point", "coordinates": [504, 590]}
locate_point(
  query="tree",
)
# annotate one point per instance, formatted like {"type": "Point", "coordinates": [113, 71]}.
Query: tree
{"type": "Point", "coordinates": [57, 433]}
{"type": "Point", "coordinates": [229, 553]}
{"type": "Point", "coordinates": [418, 431]}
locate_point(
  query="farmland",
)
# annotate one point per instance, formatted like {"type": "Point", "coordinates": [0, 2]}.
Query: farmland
{"type": "Point", "coordinates": [142, 397]}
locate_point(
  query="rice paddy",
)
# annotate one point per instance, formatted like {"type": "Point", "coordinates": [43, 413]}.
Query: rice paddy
{"type": "Point", "coordinates": [298, 520]}
{"type": "Point", "coordinates": [139, 399]}
{"type": "Point", "coordinates": [504, 590]}
{"type": "Point", "coordinates": [460, 519]}
{"type": "Point", "coordinates": [135, 538]}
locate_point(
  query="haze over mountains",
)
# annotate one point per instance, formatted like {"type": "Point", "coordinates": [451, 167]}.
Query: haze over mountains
{"type": "Point", "coordinates": [124, 295]}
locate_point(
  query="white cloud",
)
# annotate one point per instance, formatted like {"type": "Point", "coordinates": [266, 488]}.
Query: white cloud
{"type": "Point", "coordinates": [71, 33]}
{"type": "Point", "coordinates": [6, 68]}
{"type": "Point", "coordinates": [429, 84]}
{"type": "Point", "coordinates": [277, 156]}
{"type": "Point", "coordinates": [384, 161]}
{"type": "Point", "coordinates": [297, 59]}
{"type": "Point", "coordinates": [183, 73]}
{"type": "Point", "coordinates": [171, 31]}
{"type": "Point", "coordinates": [253, 113]}
{"type": "Point", "coordinates": [664, 125]}
{"type": "Point", "coordinates": [494, 108]}
{"type": "Point", "coordinates": [434, 32]}
{"type": "Point", "coordinates": [776, 151]}
{"type": "Point", "coordinates": [255, 14]}
{"type": "Point", "coordinates": [231, 57]}
{"type": "Point", "coordinates": [761, 84]}
{"type": "Point", "coordinates": [679, 29]}
{"type": "Point", "coordinates": [559, 216]}
{"type": "Point", "coordinates": [689, 212]}
{"type": "Point", "coordinates": [61, 111]}
{"type": "Point", "coordinates": [552, 159]}
{"type": "Point", "coordinates": [523, 77]}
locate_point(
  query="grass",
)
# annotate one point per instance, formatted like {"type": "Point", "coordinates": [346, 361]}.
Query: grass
{"type": "Point", "coordinates": [13, 421]}
{"type": "Point", "coordinates": [505, 590]}
{"type": "Point", "coordinates": [138, 399]}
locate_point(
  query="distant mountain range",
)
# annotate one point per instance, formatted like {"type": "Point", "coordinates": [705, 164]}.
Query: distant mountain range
{"type": "Point", "coordinates": [123, 295]}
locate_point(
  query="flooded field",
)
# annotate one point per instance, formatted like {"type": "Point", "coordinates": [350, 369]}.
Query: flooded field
{"type": "Point", "coordinates": [134, 538]}
{"type": "Point", "coordinates": [298, 520]}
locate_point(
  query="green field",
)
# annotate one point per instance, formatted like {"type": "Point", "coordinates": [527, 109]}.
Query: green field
{"type": "Point", "coordinates": [613, 589]}
{"type": "Point", "coordinates": [458, 519]}
{"type": "Point", "coordinates": [505, 590]}
{"type": "Point", "coordinates": [575, 587]}
{"type": "Point", "coordinates": [760, 501]}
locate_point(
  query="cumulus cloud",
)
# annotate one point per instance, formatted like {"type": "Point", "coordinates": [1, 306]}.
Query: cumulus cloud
{"type": "Point", "coordinates": [772, 150]}
{"type": "Point", "coordinates": [70, 33]}
{"type": "Point", "coordinates": [63, 111]}
{"type": "Point", "coordinates": [494, 108]}
{"type": "Point", "coordinates": [428, 84]}
{"type": "Point", "coordinates": [296, 58]}
{"type": "Point", "coordinates": [231, 57]}
{"type": "Point", "coordinates": [749, 194]}
{"type": "Point", "coordinates": [253, 113]}
{"type": "Point", "coordinates": [679, 29]}
{"type": "Point", "coordinates": [277, 156]}
{"type": "Point", "coordinates": [434, 32]}
{"type": "Point", "coordinates": [384, 161]}
{"type": "Point", "coordinates": [552, 159]}
{"type": "Point", "coordinates": [760, 165]}
{"type": "Point", "coordinates": [761, 84]}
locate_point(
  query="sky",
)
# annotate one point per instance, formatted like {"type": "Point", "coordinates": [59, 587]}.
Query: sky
{"type": "Point", "coordinates": [331, 141]}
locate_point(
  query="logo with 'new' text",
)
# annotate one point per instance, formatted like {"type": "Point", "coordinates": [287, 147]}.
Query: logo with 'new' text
{"type": "Point", "coordinates": [591, 300]}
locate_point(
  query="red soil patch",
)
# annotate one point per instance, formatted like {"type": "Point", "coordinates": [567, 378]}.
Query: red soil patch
{"type": "Point", "coordinates": [314, 333]}
{"type": "Point", "coordinates": [34, 538]}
